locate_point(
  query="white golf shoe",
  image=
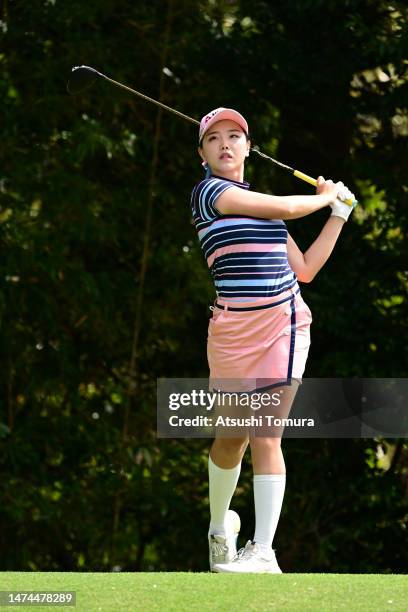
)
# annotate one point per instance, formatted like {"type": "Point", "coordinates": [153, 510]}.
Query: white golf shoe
{"type": "Point", "coordinates": [223, 548]}
{"type": "Point", "coordinates": [250, 560]}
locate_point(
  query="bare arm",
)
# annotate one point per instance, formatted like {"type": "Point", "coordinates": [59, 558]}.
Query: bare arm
{"type": "Point", "coordinates": [237, 201]}
{"type": "Point", "coordinates": [307, 265]}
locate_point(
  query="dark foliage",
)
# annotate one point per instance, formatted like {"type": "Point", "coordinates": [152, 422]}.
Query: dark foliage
{"type": "Point", "coordinates": [84, 482]}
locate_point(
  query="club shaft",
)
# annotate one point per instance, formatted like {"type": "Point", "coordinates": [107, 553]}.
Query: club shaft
{"type": "Point", "coordinates": [164, 106]}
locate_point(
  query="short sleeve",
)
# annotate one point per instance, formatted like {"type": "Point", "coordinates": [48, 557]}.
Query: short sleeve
{"type": "Point", "coordinates": [204, 197]}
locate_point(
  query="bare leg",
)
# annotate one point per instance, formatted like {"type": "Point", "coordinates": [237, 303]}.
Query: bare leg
{"type": "Point", "coordinates": [267, 457]}
{"type": "Point", "coordinates": [226, 453]}
{"type": "Point", "coordinates": [266, 452]}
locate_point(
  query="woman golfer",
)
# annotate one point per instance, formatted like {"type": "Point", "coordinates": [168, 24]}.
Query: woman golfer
{"type": "Point", "coordinates": [259, 333]}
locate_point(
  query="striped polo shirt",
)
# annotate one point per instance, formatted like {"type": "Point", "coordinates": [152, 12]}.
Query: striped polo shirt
{"type": "Point", "coordinates": [247, 256]}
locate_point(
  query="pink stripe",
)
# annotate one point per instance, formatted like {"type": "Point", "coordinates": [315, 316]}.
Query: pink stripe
{"type": "Point", "coordinates": [246, 248]}
{"type": "Point", "coordinates": [252, 273]}
{"type": "Point", "coordinates": [243, 219]}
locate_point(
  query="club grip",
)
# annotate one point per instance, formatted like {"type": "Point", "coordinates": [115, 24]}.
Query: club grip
{"type": "Point", "coordinates": [312, 181]}
{"type": "Point", "coordinates": [305, 177]}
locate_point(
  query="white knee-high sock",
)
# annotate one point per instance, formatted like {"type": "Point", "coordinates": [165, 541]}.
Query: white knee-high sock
{"type": "Point", "coordinates": [222, 484]}
{"type": "Point", "coordinates": [269, 490]}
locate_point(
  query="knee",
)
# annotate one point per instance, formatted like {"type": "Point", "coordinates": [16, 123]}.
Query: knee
{"type": "Point", "coordinates": [265, 444]}
{"type": "Point", "coordinates": [231, 445]}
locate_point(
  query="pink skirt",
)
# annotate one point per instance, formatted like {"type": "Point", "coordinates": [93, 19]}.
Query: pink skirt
{"type": "Point", "coordinates": [258, 345]}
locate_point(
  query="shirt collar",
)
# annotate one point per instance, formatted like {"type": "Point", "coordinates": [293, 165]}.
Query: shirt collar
{"type": "Point", "coordinates": [244, 184]}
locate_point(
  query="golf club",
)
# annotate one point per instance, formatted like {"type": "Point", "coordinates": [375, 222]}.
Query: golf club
{"type": "Point", "coordinates": [83, 77]}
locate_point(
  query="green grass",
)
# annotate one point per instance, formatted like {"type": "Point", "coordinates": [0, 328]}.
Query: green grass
{"type": "Point", "coordinates": [164, 591]}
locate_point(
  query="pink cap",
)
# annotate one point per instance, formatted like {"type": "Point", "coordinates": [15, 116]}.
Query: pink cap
{"type": "Point", "coordinates": [218, 115]}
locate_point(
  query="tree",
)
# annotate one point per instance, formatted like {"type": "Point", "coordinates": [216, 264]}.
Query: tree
{"type": "Point", "coordinates": [85, 482]}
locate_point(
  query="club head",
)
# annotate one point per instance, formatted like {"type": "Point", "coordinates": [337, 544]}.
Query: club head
{"type": "Point", "coordinates": [81, 78]}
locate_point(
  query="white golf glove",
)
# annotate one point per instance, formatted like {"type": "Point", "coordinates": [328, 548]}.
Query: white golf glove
{"type": "Point", "coordinates": [341, 209]}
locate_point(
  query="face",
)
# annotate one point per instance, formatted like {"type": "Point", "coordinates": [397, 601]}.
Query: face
{"type": "Point", "coordinates": [224, 148]}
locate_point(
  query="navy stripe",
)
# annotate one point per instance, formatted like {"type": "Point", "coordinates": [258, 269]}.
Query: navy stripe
{"type": "Point", "coordinates": [292, 337]}
{"type": "Point", "coordinates": [253, 270]}
{"type": "Point", "coordinates": [252, 277]}
{"type": "Point", "coordinates": [290, 297]}
{"type": "Point", "coordinates": [251, 237]}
